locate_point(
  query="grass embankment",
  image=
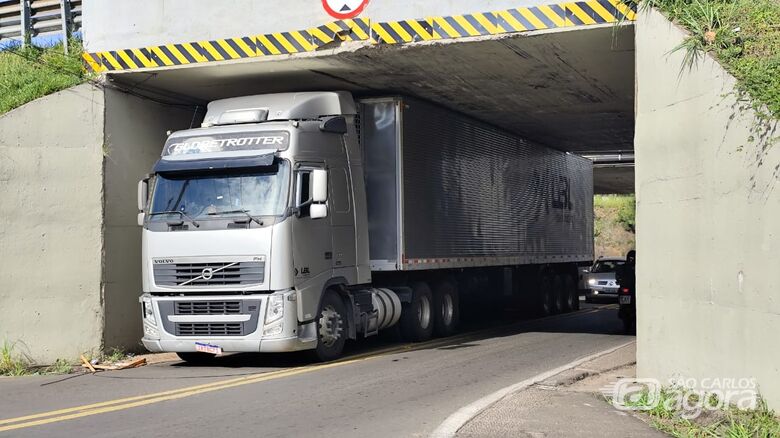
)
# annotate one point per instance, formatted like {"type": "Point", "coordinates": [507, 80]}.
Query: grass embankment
{"type": "Point", "coordinates": [744, 35]}
{"type": "Point", "coordinates": [614, 225]}
{"type": "Point", "coordinates": [30, 72]}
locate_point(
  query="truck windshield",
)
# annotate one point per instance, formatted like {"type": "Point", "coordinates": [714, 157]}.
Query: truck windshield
{"type": "Point", "coordinates": [203, 196]}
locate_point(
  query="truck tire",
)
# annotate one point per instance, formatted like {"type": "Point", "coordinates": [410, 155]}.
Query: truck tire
{"type": "Point", "coordinates": [559, 294]}
{"type": "Point", "coordinates": [446, 305]}
{"type": "Point", "coordinates": [194, 358]}
{"type": "Point", "coordinates": [417, 317]}
{"type": "Point", "coordinates": [573, 303]}
{"type": "Point", "coordinates": [545, 297]}
{"type": "Point", "coordinates": [331, 328]}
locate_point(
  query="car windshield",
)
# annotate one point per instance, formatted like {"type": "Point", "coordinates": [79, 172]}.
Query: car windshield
{"type": "Point", "coordinates": [256, 192]}
{"type": "Point", "coordinates": [607, 266]}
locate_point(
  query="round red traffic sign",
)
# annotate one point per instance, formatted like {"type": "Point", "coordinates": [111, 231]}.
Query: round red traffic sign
{"type": "Point", "coordinates": [343, 9]}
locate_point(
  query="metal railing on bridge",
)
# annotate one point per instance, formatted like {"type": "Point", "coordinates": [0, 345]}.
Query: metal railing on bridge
{"type": "Point", "coordinates": [23, 20]}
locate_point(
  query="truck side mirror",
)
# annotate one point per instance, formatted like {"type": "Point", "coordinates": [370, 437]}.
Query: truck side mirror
{"type": "Point", "coordinates": [319, 185]}
{"type": "Point", "coordinates": [336, 125]}
{"type": "Point", "coordinates": [143, 195]}
{"type": "Point", "coordinates": [318, 211]}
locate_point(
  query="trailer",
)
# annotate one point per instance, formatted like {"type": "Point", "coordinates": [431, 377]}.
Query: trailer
{"type": "Point", "coordinates": [297, 221]}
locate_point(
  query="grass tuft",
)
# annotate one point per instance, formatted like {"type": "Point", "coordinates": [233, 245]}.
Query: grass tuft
{"type": "Point", "coordinates": [27, 73]}
{"type": "Point", "coordinates": [11, 363]}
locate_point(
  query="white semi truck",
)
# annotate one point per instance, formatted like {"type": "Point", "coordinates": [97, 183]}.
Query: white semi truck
{"type": "Point", "coordinates": [297, 221]}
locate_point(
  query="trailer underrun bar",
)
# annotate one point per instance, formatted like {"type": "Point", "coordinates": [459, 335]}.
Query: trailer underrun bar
{"type": "Point", "coordinates": [516, 20]}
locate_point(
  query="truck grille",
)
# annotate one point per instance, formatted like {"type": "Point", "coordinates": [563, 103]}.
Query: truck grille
{"type": "Point", "coordinates": [209, 329]}
{"type": "Point", "coordinates": [209, 274]}
{"type": "Point", "coordinates": [208, 307]}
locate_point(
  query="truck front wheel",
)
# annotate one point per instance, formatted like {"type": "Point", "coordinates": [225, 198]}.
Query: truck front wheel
{"type": "Point", "coordinates": [331, 328]}
{"type": "Point", "coordinates": [446, 306]}
{"type": "Point", "coordinates": [417, 318]}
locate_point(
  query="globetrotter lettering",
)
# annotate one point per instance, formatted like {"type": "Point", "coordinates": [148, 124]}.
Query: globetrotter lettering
{"type": "Point", "coordinates": [225, 143]}
{"type": "Point", "coordinates": [220, 145]}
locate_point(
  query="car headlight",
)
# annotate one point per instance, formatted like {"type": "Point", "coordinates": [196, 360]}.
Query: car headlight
{"type": "Point", "coordinates": [591, 281]}
{"type": "Point", "coordinates": [148, 310]}
{"type": "Point", "coordinates": [275, 309]}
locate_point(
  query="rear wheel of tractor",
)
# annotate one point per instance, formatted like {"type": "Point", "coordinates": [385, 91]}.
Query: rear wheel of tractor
{"type": "Point", "coordinates": [331, 328]}
{"type": "Point", "coordinates": [446, 306]}
{"type": "Point", "coordinates": [559, 294]}
{"type": "Point", "coordinates": [417, 318]}
{"type": "Point", "coordinates": [194, 358]}
{"type": "Point", "coordinates": [572, 301]}
{"type": "Point", "coordinates": [545, 295]}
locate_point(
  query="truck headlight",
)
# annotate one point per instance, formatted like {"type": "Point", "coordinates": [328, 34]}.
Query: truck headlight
{"type": "Point", "coordinates": [148, 310]}
{"type": "Point", "coordinates": [275, 309]}
{"type": "Point", "coordinates": [592, 281]}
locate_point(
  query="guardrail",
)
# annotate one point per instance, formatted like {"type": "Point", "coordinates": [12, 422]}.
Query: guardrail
{"type": "Point", "coordinates": [23, 20]}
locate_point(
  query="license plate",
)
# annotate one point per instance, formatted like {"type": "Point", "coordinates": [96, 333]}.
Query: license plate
{"type": "Point", "coordinates": [208, 348]}
{"type": "Point", "coordinates": [625, 299]}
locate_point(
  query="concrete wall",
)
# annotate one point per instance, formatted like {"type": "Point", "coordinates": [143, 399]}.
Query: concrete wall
{"type": "Point", "coordinates": [708, 203]}
{"type": "Point", "coordinates": [135, 131]}
{"type": "Point", "coordinates": [51, 158]}
{"type": "Point", "coordinates": [121, 24]}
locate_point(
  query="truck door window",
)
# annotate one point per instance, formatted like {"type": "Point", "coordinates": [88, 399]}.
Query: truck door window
{"type": "Point", "coordinates": [304, 191]}
{"type": "Point", "coordinates": [339, 190]}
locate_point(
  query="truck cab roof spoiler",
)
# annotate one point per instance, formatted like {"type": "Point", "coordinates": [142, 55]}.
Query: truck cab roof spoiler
{"type": "Point", "coordinates": [281, 106]}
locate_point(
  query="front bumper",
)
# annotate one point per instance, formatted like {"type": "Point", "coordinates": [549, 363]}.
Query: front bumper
{"type": "Point", "coordinates": [602, 291]}
{"type": "Point", "coordinates": [162, 321]}
{"type": "Point", "coordinates": [232, 345]}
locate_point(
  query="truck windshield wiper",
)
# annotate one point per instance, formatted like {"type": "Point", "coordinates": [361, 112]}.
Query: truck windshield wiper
{"type": "Point", "coordinates": [183, 214]}
{"type": "Point", "coordinates": [246, 212]}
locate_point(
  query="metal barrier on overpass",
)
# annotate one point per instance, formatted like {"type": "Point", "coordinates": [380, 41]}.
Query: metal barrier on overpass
{"type": "Point", "coordinates": [524, 19]}
{"type": "Point", "coordinates": [23, 20]}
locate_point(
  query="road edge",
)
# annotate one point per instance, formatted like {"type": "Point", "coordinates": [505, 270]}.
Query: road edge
{"type": "Point", "coordinates": [452, 424]}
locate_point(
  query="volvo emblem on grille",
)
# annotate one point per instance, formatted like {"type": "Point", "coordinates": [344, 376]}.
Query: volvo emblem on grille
{"type": "Point", "coordinates": [207, 273]}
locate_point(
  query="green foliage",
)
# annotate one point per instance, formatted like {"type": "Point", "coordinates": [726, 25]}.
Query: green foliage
{"type": "Point", "coordinates": [60, 366]}
{"type": "Point", "coordinates": [613, 224]}
{"type": "Point", "coordinates": [624, 205]}
{"type": "Point", "coordinates": [11, 363]}
{"type": "Point", "coordinates": [744, 35]}
{"type": "Point", "coordinates": [729, 421]}
{"type": "Point", "coordinates": [30, 72]}
{"type": "Point", "coordinates": [17, 364]}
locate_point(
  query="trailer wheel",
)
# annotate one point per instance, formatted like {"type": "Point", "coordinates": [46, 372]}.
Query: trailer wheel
{"type": "Point", "coordinates": [417, 317]}
{"type": "Point", "coordinates": [446, 306]}
{"type": "Point", "coordinates": [545, 295]}
{"type": "Point", "coordinates": [331, 328]}
{"type": "Point", "coordinates": [559, 294]}
{"type": "Point", "coordinates": [573, 301]}
{"type": "Point", "coordinates": [194, 358]}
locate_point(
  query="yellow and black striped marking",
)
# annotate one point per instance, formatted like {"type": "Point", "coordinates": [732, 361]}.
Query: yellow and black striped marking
{"type": "Point", "coordinates": [499, 22]}
{"type": "Point", "coordinates": [524, 19]}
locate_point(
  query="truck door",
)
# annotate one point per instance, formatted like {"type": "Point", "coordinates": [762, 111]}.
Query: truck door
{"type": "Point", "coordinates": [343, 221]}
{"type": "Point", "coordinates": [312, 246]}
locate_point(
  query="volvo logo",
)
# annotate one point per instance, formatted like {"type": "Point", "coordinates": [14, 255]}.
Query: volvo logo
{"type": "Point", "coordinates": [207, 273]}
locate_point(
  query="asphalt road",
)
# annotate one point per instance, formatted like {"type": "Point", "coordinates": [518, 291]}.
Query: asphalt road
{"type": "Point", "coordinates": [383, 389]}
